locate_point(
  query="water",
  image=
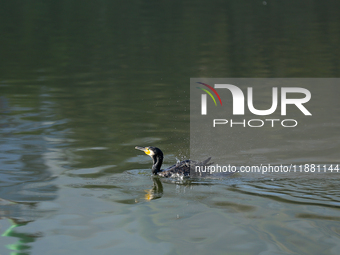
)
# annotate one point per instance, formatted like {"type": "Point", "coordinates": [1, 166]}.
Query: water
{"type": "Point", "coordinates": [81, 84]}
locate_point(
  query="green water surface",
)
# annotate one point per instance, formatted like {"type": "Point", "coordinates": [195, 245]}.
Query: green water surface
{"type": "Point", "coordinates": [83, 82]}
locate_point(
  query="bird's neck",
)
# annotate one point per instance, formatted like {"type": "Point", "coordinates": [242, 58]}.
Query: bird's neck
{"type": "Point", "coordinates": [157, 163]}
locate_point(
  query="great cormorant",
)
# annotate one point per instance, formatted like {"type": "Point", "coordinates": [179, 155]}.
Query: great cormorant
{"type": "Point", "coordinates": [180, 169]}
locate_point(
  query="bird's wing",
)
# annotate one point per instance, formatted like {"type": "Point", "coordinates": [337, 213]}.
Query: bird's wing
{"type": "Point", "coordinates": [183, 168]}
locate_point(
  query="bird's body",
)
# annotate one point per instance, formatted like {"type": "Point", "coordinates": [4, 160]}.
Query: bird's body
{"type": "Point", "coordinates": [180, 169]}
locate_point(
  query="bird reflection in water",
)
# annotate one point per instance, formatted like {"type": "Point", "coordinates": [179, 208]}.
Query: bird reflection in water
{"type": "Point", "coordinates": [156, 191]}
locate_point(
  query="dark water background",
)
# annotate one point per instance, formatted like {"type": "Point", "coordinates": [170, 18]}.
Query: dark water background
{"type": "Point", "coordinates": [83, 82]}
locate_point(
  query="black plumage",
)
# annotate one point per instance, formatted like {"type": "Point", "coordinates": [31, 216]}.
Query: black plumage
{"type": "Point", "coordinates": [180, 169]}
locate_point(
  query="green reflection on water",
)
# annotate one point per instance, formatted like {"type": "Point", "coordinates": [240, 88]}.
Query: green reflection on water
{"type": "Point", "coordinates": [21, 246]}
